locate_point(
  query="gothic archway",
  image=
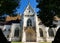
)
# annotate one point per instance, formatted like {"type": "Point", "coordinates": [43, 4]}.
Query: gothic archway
{"type": "Point", "coordinates": [29, 22]}
{"type": "Point", "coordinates": [16, 33]}
{"type": "Point", "coordinates": [30, 35]}
{"type": "Point", "coordinates": [50, 32]}
{"type": "Point", "coordinates": [41, 32]}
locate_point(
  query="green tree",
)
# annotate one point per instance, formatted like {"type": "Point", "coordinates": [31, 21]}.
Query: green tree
{"type": "Point", "coordinates": [8, 6]}
{"type": "Point", "coordinates": [48, 9]}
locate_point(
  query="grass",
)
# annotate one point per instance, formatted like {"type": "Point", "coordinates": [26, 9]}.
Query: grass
{"type": "Point", "coordinates": [21, 42]}
{"type": "Point", "coordinates": [44, 42]}
{"type": "Point", "coordinates": [16, 42]}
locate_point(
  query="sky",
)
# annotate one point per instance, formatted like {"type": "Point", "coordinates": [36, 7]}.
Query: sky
{"type": "Point", "coordinates": [24, 3]}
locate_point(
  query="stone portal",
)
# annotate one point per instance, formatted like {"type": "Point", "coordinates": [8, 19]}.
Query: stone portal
{"type": "Point", "coordinates": [30, 34]}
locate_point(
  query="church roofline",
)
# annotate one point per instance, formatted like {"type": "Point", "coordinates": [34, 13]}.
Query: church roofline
{"type": "Point", "coordinates": [27, 6]}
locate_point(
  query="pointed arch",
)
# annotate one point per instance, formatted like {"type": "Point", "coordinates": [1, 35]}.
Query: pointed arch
{"type": "Point", "coordinates": [41, 32]}
{"type": "Point", "coordinates": [50, 32]}
{"type": "Point", "coordinates": [29, 22]}
{"type": "Point", "coordinates": [16, 33]}
{"type": "Point", "coordinates": [30, 35]}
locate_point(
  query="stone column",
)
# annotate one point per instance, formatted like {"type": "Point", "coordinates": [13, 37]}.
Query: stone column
{"type": "Point", "coordinates": [12, 33]}
{"type": "Point", "coordinates": [46, 33]}
{"type": "Point", "coordinates": [37, 35]}
{"type": "Point", "coordinates": [24, 36]}
{"type": "Point", "coordinates": [37, 30]}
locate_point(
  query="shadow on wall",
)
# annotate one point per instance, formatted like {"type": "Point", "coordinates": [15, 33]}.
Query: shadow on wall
{"type": "Point", "coordinates": [57, 37]}
{"type": "Point", "coordinates": [3, 38]}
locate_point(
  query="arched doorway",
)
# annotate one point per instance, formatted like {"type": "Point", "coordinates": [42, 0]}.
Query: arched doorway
{"type": "Point", "coordinates": [30, 35]}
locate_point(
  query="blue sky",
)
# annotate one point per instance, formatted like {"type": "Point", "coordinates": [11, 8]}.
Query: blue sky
{"type": "Point", "coordinates": [24, 3]}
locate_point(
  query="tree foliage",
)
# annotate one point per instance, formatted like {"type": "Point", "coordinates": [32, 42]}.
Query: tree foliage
{"type": "Point", "coordinates": [48, 9]}
{"type": "Point", "coordinates": [8, 6]}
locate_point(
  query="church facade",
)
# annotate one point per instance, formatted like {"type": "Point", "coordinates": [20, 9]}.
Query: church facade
{"type": "Point", "coordinates": [29, 28]}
